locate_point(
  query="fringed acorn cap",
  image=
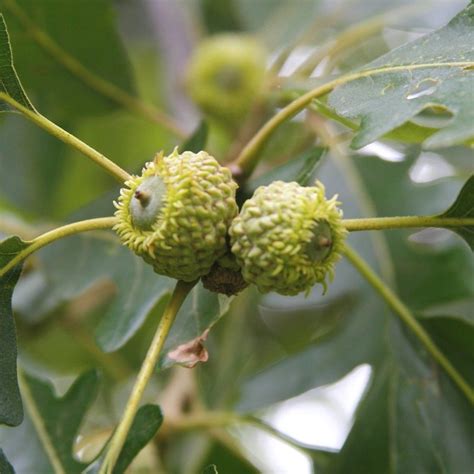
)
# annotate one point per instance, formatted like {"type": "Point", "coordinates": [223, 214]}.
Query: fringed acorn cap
{"type": "Point", "coordinates": [288, 237]}
{"type": "Point", "coordinates": [177, 213]}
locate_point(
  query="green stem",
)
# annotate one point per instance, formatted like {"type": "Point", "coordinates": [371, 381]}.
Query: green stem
{"type": "Point", "coordinates": [66, 137]}
{"type": "Point", "coordinates": [38, 424]}
{"type": "Point", "coordinates": [353, 36]}
{"type": "Point", "coordinates": [215, 419]}
{"type": "Point", "coordinates": [343, 161]}
{"type": "Point", "coordinates": [381, 223]}
{"type": "Point", "coordinates": [409, 319]}
{"type": "Point", "coordinates": [321, 108]}
{"type": "Point", "coordinates": [249, 156]}
{"type": "Point", "coordinates": [93, 81]}
{"type": "Point", "coordinates": [146, 371]}
{"type": "Point", "coordinates": [56, 234]}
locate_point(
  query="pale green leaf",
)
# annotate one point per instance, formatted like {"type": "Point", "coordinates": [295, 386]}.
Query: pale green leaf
{"type": "Point", "coordinates": [436, 70]}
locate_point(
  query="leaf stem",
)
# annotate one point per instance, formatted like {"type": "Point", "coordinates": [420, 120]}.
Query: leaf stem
{"type": "Point", "coordinates": [66, 137]}
{"type": "Point", "coordinates": [380, 223]}
{"type": "Point", "coordinates": [409, 319]}
{"type": "Point", "coordinates": [249, 156]}
{"type": "Point", "coordinates": [146, 371]}
{"type": "Point", "coordinates": [56, 234]}
{"type": "Point", "coordinates": [352, 36]}
{"type": "Point", "coordinates": [339, 153]}
{"type": "Point", "coordinates": [213, 419]}
{"type": "Point", "coordinates": [96, 83]}
{"type": "Point", "coordinates": [38, 424]}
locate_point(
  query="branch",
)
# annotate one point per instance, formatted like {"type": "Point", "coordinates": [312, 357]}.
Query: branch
{"type": "Point", "coordinates": [66, 137]}
{"type": "Point", "coordinates": [380, 223]}
{"type": "Point", "coordinates": [93, 81]}
{"type": "Point", "coordinates": [409, 319]}
{"type": "Point", "coordinates": [56, 234]}
{"type": "Point", "coordinates": [249, 156]}
{"type": "Point", "coordinates": [120, 435]}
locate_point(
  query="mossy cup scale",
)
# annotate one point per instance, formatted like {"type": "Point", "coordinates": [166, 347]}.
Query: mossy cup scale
{"type": "Point", "coordinates": [176, 215]}
{"type": "Point", "coordinates": [288, 237]}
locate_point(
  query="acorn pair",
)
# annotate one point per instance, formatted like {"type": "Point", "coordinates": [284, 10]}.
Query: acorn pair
{"type": "Point", "coordinates": [181, 216]}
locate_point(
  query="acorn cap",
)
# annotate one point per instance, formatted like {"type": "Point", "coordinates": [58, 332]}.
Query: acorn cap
{"type": "Point", "coordinates": [288, 237]}
{"type": "Point", "coordinates": [177, 213]}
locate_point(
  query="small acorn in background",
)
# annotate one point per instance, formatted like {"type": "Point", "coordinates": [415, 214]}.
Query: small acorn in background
{"type": "Point", "coordinates": [288, 237]}
{"type": "Point", "coordinates": [226, 75]}
{"type": "Point", "coordinates": [176, 215]}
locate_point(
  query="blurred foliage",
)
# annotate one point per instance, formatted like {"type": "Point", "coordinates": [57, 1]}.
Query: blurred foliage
{"type": "Point", "coordinates": [86, 303]}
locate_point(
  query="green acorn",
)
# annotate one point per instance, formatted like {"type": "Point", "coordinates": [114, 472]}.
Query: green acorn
{"type": "Point", "coordinates": [177, 213]}
{"type": "Point", "coordinates": [226, 75]}
{"type": "Point", "coordinates": [288, 237]}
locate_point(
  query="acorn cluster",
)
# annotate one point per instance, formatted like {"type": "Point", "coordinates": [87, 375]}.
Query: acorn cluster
{"type": "Point", "coordinates": [180, 215]}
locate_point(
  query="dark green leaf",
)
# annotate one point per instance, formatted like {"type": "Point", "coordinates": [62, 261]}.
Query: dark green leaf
{"type": "Point", "coordinates": [451, 325]}
{"type": "Point", "coordinates": [222, 458]}
{"type": "Point", "coordinates": [463, 206]}
{"type": "Point", "coordinates": [197, 141]}
{"type": "Point", "coordinates": [459, 309]}
{"type": "Point", "coordinates": [50, 427]}
{"type": "Point", "coordinates": [41, 176]}
{"type": "Point", "coordinates": [321, 363]}
{"type": "Point", "coordinates": [371, 428]}
{"type": "Point", "coordinates": [11, 411]}
{"type": "Point", "coordinates": [443, 268]}
{"type": "Point", "coordinates": [300, 169]}
{"type": "Point", "coordinates": [48, 35]}
{"type": "Point", "coordinates": [102, 256]}
{"type": "Point", "coordinates": [146, 423]}
{"type": "Point", "coordinates": [212, 469]}
{"type": "Point", "coordinates": [28, 151]}
{"type": "Point", "coordinates": [442, 76]}
{"type": "Point", "coordinates": [220, 16]}
{"type": "Point", "coordinates": [139, 290]}
{"type": "Point", "coordinates": [5, 466]}
{"type": "Point", "coordinates": [413, 418]}
{"type": "Point", "coordinates": [10, 83]}
{"type": "Point", "coordinates": [353, 314]}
